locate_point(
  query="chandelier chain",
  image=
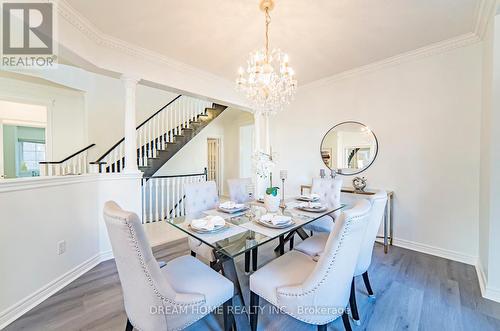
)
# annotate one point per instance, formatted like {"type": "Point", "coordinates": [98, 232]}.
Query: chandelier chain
{"type": "Point", "coordinates": [268, 21]}
{"type": "Point", "coordinates": [269, 81]}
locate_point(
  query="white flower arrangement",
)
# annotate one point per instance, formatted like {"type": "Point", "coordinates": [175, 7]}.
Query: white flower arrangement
{"type": "Point", "coordinates": [263, 164]}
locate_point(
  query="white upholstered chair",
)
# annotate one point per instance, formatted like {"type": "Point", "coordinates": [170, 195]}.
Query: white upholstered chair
{"type": "Point", "coordinates": [328, 190]}
{"type": "Point", "coordinates": [170, 298]}
{"type": "Point", "coordinates": [315, 245]}
{"type": "Point", "coordinates": [238, 189]}
{"type": "Point", "coordinates": [200, 197]}
{"type": "Point", "coordinates": [303, 288]}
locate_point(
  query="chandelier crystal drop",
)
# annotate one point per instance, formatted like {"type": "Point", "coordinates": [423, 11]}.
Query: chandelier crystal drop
{"type": "Point", "coordinates": [269, 81]}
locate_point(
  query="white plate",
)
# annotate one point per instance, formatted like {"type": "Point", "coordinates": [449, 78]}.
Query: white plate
{"type": "Point", "coordinates": [216, 229]}
{"type": "Point", "coordinates": [271, 225]}
{"type": "Point", "coordinates": [232, 210]}
{"type": "Point", "coordinates": [307, 199]}
{"type": "Point", "coordinates": [313, 210]}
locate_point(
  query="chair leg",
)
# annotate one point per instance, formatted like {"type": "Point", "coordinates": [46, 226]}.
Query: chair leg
{"type": "Point", "coordinates": [193, 254]}
{"type": "Point", "coordinates": [352, 303]}
{"type": "Point", "coordinates": [247, 261]}
{"type": "Point", "coordinates": [322, 327]}
{"type": "Point", "coordinates": [345, 319]}
{"type": "Point", "coordinates": [228, 314]}
{"type": "Point", "coordinates": [254, 311]}
{"type": "Point", "coordinates": [291, 243]}
{"type": "Point", "coordinates": [254, 259]}
{"type": "Point", "coordinates": [129, 326]}
{"type": "Point", "coordinates": [367, 284]}
{"type": "Point", "coordinates": [282, 245]}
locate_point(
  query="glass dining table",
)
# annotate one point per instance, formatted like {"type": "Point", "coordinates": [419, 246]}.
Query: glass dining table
{"type": "Point", "coordinates": [243, 234]}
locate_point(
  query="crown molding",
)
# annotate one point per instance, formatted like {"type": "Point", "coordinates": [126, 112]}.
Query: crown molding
{"type": "Point", "coordinates": [83, 25]}
{"type": "Point", "coordinates": [484, 12]}
{"type": "Point", "coordinates": [419, 53]}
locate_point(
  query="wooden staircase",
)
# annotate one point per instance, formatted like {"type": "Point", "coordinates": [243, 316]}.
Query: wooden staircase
{"type": "Point", "coordinates": [180, 140]}
{"type": "Point", "coordinates": [163, 134]}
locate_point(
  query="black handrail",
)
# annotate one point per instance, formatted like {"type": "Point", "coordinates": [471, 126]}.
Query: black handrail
{"type": "Point", "coordinates": [205, 173]}
{"type": "Point", "coordinates": [140, 125]}
{"type": "Point", "coordinates": [69, 157]}
{"type": "Point", "coordinates": [158, 111]}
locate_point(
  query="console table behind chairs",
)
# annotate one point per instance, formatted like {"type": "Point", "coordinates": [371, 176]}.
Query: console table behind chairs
{"type": "Point", "coordinates": [388, 216]}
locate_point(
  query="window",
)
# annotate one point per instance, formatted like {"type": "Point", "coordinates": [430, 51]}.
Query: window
{"type": "Point", "coordinates": [30, 154]}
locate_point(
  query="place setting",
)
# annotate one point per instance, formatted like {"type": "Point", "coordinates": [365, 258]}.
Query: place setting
{"type": "Point", "coordinates": [231, 207]}
{"type": "Point", "coordinates": [208, 224]}
{"type": "Point", "coordinates": [275, 221]}
{"type": "Point", "coordinates": [308, 197]}
{"type": "Point", "coordinates": [313, 207]}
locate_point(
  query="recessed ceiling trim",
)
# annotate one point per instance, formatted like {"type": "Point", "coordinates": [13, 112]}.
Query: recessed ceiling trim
{"type": "Point", "coordinates": [87, 28]}
{"type": "Point", "coordinates": [433, 49]}
{"type": "Point", "coordinates": [483, 12]}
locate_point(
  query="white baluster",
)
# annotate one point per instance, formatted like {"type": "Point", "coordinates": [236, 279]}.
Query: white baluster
{"type": "Point", "coordinates": [150, 199]}
{"type": "Point", "coordinates": [162, 185]}
{"type": "Point", "coordinates": [139, 154]}
{"type": "Point", "coordinates": [179, 200]}
{"type": "Point", "coordinates": [86, 162]}
{"type": "Point", "coordinates": [168, 197]}
{"type": "Point", "coordinates": [144, 201]}
{"type": "Point", "coordinates": [160, 130]}
{"type": "Point", "coordinates": [150, 139]}
{"type": "Point", "coordinates": [157, 201]}
{"type": "Point", "coordinates": [177, 112]}
{"type": "Point", "coordinates": [153, 128]}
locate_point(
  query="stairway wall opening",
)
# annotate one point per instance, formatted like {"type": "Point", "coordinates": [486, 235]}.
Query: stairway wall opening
{"type": "Point", "coordinates": [193, 157]}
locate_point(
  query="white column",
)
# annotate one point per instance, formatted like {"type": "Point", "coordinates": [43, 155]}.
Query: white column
{"type": "Point", "coordinates": [267, 144]}
{"type": "Point", "coordinates": [130, 83]}
{"type": "Point", "coordinates": [261, 145]}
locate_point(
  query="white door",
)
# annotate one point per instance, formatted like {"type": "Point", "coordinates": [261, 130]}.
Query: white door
{"type": "Point", "coordinates": [214, 161]}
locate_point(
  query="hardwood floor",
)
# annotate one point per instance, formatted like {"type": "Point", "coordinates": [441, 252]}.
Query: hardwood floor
{"type": "Point", "coordinates": [414, 291]}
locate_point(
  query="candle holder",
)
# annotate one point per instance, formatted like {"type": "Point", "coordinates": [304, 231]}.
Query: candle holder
{"type": "Point", "coordinates": [283, 176]}
{"type": "Point", "coordinates": [322, 173]}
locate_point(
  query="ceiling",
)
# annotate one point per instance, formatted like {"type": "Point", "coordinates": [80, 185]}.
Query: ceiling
{"type": "Point", "coordinates": [322, 37]}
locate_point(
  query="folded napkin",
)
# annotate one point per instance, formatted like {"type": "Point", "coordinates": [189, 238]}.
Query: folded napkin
{"type": "Point", "coordinates": [275, 219]}
{"type": "Point", "coordinates": [315, 205]}
{"type": "Point", "coordinates": [208, 223]}
{"type": "Point", "coordinates": [312, 196]}
{"type": "Point", "coordinates": [231, 205]}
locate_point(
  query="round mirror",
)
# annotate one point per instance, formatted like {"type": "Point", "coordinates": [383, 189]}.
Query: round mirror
{"type": "Point", "coordinates": [349, 148]}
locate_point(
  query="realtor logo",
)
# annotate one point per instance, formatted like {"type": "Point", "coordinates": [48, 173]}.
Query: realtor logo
{"type": "Point", "coordinates": [27, 35]}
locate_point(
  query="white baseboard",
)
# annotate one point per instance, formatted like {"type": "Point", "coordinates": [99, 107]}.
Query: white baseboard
{"type": "Point", "coordinates": [486, 291]}
{"type": "Point", "coordinates": [20, 308]}
{"type": "Point", "coordinates": [108, 255]}
{"type": "Point", "coordinates": [436, 251]}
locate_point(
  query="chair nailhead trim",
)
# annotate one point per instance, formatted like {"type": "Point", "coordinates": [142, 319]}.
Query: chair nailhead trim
{"type": "Point", "coordinates": [330, 268]}
{"type": "Point", "coordinates": [132, 236]}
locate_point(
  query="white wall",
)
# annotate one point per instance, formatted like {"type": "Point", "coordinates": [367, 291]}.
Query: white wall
{"type": "Point", "coordinates": [76, 36]}
{"type": "Point", "coordinates": [66, 123]}
{"type": "Point", "coordinates": [106, 108]}
{"type": "Point", "coordinates": [425, 113]}
{"type": "Point", "coordinates": [192, 158]}
{"type": "Point", "coordinates": [104, 103]}
{"type": "Point", "coordinates": [489, 216]}
{"type": "Point", "coordinates": [37, 213]}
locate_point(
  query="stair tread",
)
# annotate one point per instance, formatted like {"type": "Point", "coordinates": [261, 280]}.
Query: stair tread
{"type": "Point", "coordinates": [170, 148]}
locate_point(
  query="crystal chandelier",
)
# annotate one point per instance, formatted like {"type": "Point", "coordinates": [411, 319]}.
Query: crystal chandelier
{"type": "Point", "coordinates": [269, 81]}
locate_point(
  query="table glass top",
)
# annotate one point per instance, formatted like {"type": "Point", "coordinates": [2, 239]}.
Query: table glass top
{"type": "Point", "coordinates": [242, 231]}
